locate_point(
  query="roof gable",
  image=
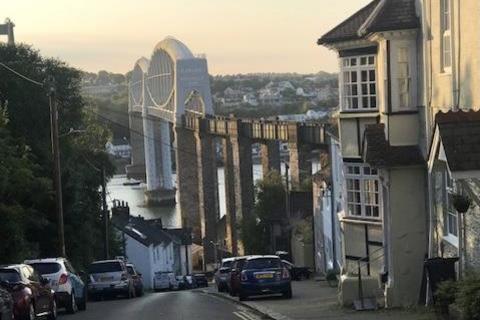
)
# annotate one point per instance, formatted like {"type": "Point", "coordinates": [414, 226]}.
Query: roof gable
{"type": "Point", "coordinates": [378, 15]}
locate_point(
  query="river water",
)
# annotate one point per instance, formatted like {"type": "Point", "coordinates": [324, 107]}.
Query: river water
{"type": "Point", "coordinates": [170, 216]}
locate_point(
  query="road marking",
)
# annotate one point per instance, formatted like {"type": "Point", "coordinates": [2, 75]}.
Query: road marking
{"type": "Point", "coordinates": [245, 315]}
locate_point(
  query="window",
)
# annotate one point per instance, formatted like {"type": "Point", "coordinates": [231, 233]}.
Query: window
{"type": "Point", "coordinates": [451, 216]}
{"type": "Point", "coordinates": [359, 83]}
{"type": "Point", "coordinates": [403, 77]}
{"type": "Point", "coordinates": [446, 35]}
{"type": "Point", "coordinates": [363, 191]}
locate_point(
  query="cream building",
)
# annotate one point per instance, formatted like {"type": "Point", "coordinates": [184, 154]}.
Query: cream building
{"type": "Point", "coordinates": [401, 63]}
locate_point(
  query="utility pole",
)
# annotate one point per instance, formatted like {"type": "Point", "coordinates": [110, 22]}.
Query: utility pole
{"type": "Point", "coordinates": [105, 215]}
{"type": "Point", "coordinates": [56, 164]}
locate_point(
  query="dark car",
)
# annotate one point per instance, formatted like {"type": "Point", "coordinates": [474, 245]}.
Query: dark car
{"type": "Point", "coordinates": [190, 282]}
{"type": "Point", "coordinates": [6, 304]}
{"type": "Point", "coordinates": [297, 273]}
{"type": "Point", "coordinates": [182, 285]}
{"type": "Point", "coordinates": [233, 280]}
{"type": "Point", "coordinates": [222, 274]}
{"type": "Point", "coordinates": [137, 279]}
{"type": "Point", "coordinates": [201, 280]}
{"type": "Point", "coordinates": [32, 294]}
{"type": "Point", "coordinates": [264, 275]}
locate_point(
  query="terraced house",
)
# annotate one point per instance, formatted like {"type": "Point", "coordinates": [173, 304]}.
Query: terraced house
{"type": "Point", "coordinates": [402, 62]}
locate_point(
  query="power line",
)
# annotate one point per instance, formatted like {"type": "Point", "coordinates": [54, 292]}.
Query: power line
{"type": "Point", "coordinates": [21, 75]}
{"type": "Point", "coordinates": [154, 139]}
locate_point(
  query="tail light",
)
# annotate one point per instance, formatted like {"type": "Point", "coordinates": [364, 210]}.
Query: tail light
{"type": "Point", "coordinates": [124, 277]}
{"type": "Point", "coordinates": [285, 274]}
{"type": "Point", "coordinates": [63, 278]}
{"type": "Point", "coordinates": [244, 276]}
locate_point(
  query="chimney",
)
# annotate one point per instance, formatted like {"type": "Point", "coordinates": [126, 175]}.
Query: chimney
{"type": "Point", "coordinates": [121, 208]}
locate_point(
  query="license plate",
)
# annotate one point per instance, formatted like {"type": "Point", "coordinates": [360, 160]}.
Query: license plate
{"type": "Point", "coordinates": [264, 276]}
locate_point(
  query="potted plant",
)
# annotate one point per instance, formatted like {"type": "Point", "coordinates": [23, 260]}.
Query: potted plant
{"type": "Point", "coordinates": [461, 203]}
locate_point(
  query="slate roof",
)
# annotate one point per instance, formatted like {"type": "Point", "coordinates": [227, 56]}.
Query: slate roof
{"type": "Point", "coordinates": [150, 232]}
{"type": "Point", "coordinates": [379, 153]}
{"type": "Point", "coordinates": [460, 135]}
{"type": "Point", "coordinates": [378, 15]}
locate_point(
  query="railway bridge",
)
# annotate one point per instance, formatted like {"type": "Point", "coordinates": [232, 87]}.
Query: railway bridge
{"type": "Point", "coordinates": [171, 117]}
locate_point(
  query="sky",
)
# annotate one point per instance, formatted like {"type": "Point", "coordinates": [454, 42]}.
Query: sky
{"type": "Point", "coordinates": [237, 36]}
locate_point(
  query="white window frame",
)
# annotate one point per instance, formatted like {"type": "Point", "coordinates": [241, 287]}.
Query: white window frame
{"type": "Point", "coordinates": [404, 77]}
{"type": "Point", "coordinates": [446, 35]}
{"type": "Point", "coordinates": [356, 83]}
{"type": "Point", "coordinates": [451, 215]}
{"type": "Point", "coordinates": [358, 178]}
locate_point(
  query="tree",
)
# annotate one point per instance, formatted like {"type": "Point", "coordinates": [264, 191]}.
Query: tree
{"type": "Point", "coordinates": [27, 197]}
{"type": "Point", "coordinates": [256, 229]}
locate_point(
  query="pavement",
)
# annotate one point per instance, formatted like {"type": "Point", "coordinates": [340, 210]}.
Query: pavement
{"type": "Point", "coordinates": [317, 300]}
{"type": "Point", "coordinates": [178, 305]}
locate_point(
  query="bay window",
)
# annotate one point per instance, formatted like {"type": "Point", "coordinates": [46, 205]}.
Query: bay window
{"type": "Point", "coordinates": [358, 77]}
{"type": "Point", "coordinates": [403, 77]}
{"type": "Point", "coordinates": [363, 191]}
{"type": "Point", "coordinates": [451, 216]}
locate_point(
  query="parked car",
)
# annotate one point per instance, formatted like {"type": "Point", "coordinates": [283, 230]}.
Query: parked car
{"type": "Point", "coordinates": [6, 303]}
{"type": "Point", "coordinates": [233, 278]}
{"type": "Point", "coordinates": [190, 282]}
{"type": "Point", "coordinates": [182, 285]}
{"type": "Point", "coordinates": [137, 279]}
{"type": "Point", "coordinates": [264, 275]}
{"type": "Point", "coordinates": [110, 277]}
{"type": "Point", "coordinates": [32, 294]}
{"type": "Point", "coordinates": [164, 281]}
{"type": "Point", "coordinates": [297, 273]}
{"type": "Point", "coordinates": [70, 290]}
{"type": "Point", "coordinates": [222, 274]}
{"type": "Point", "coordinates": [201, 280]}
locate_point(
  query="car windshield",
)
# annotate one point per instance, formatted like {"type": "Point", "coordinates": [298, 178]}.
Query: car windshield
{"type": "Point", "coordinates": [46, 268]}
{"type": "Point", "coordinates": [9, 275]}
{"type": "Point", "coordinates": [104, 267]}
{"type": "Point", "coordinates": [227, 264]}
{"type": "Point", "coordinates": [263, 263]}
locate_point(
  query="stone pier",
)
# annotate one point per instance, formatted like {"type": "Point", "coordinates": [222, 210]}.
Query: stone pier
{"type": "Point", "coordinates": [242, 174]}
{"type": "Point", "coordinates": [136, 168]}
{"type": "Point", "coordinates": [300, 164]}
{"type": "Point", "coordinates": [187, 180]}
{"type": "Point", "coordinates": [231, 233]}
{"type": "Point", "coordinates": [270, 156]}
{"type": "Point", "coordinates": [207, 196]}
{"type": "Point", "coordinates": [158, 163]}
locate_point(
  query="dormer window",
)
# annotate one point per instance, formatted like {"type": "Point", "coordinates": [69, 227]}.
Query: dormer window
{"type": "Point", "coordinates": [358, 83]}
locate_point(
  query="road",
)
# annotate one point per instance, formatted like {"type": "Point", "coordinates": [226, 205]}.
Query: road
{"type": "Point", "coordinates": [180, 305]}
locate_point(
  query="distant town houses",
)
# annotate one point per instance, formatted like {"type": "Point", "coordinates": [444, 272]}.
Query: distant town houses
{"type": "Point", "coordinates": [119, 148]}
{"type": "Point", "coordinates": [315, 90]}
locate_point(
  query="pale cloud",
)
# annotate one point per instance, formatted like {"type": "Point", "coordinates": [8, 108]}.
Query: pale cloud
{"type": "Point", "coordinates": [238, 36]}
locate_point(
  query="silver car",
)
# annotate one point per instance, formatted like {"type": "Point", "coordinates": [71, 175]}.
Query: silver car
{"type": "Point", "coordinates": [110, 277]}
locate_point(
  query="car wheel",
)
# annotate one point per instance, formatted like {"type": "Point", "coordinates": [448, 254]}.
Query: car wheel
{"type": "Point", "coordinates": [83, 303]}
{"type": "Point", "coordinates": [288, 294]}
{"type": "Point", "coordinates": [53, 311]}
{"type": "Point", "coordinates": [242, 296]}
{"type": "Point", "coordinates": [72, 305]}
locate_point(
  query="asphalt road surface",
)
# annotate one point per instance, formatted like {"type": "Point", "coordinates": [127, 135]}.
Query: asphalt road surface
{"type": "Point", "coordinates": [180, 305]}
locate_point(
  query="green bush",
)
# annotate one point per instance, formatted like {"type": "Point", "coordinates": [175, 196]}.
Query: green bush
{"type": "Point", "coordinates": [446, 293]}
{"type": "Point", "coordinates": [468, 297]}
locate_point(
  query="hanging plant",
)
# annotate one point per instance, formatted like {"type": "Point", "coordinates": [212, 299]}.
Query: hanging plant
{"type": "Point", "coordinates": [461, 203]}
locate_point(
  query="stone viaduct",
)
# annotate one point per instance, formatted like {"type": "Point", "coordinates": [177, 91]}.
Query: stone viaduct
{"type": "Point", "coordinates": [169, 96]}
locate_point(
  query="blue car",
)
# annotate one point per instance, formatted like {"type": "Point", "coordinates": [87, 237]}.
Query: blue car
{"type": "Point", "coordinates": [264, 275]}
